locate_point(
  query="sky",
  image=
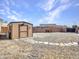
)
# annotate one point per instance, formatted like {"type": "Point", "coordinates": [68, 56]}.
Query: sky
{"type": "Point", "coordinates": [63, 12]}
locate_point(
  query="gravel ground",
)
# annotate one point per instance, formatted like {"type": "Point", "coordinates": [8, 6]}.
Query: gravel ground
{"type": "Point", "coordinates": [12, 49]}
{"type": "Point", "coordinates": [55, 52]}
{"type": "Point", "coordinates": [56, 37]}
{"type": "Point", "coordinates": [21, 49]}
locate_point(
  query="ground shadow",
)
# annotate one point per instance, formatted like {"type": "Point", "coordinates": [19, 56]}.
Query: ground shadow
{"type": "Point", "coordinates": [4, 37]}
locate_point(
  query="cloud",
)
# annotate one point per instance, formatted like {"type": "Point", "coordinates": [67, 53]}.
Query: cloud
{"type": "Point", "coordinates": [15, 18]}
{"type": "Point", "coordinates": [16, 13]}
{"type": "Point", "coordinates": [77, 4]}
{"type": "Point", "coordinates": [12, 2]}
{"type": "Point", "coordinates": [11, 14]}
{"type": "Point", "coordinates": [20, 4]}
{"type": "Point", "coordinates": [40, 21]}
{"type": "Point", "coordinates": [64, 1]}
{"type": "Point", "coordinates": [7, 2]}
{"type": "Point", "coordinates": [55, 13]}
{"type": "Point", "coordinates": [2, 12]}
{"type": "Point", "coordinates": [48, 5]}
{"type": "Point", "coordinates": [7, 10]}
{"type": "Point", "coordinates": [8, 5]}
{"type": "Point", "coordinates": [5, 6]}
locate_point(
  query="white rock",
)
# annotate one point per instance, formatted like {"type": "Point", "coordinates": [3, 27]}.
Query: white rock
{"type": "Point", "coordinates": [56, 43]}
{"type": "Point", "coordinates": [36, 41]}
{"type": "Point", "coordinates": [61, 44]}
{"type": "Point", "coordinates": [40, 42]}
{"type": "Point", "coordinates": [50, 43]}
{"type": "Point", "coordinates": [69, 44]}
{"type": "Point", "coordinates": [75, 43]}
{"type": "Point", "coordinates": [45, 42]}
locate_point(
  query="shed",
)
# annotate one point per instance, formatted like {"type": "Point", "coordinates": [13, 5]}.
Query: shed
{"type": "Point", "coordinates": [19, 30]}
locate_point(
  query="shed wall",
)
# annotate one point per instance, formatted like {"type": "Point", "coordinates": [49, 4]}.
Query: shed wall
{"type": "Point", "coordinates": [15, 31]}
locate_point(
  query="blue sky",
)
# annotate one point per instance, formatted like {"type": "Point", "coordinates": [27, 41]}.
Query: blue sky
{"type": "Point", "coordinates": [63, 12]}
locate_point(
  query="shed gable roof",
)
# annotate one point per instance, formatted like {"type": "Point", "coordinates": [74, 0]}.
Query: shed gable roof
{"type": "Point", "coordinates": [20, 22]}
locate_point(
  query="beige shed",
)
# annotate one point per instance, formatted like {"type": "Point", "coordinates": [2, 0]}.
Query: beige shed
{"type": "Point", "coordinates": [19, 30]}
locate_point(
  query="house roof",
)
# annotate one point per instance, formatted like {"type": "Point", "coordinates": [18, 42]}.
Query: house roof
{"type": "Point", "coordinates": [20, 22]}
{"type": "Point", "coordinates": [50, 25]}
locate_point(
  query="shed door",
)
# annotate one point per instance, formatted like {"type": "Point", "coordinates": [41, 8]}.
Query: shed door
{"type": "Point", "coordinates": [23, 31]}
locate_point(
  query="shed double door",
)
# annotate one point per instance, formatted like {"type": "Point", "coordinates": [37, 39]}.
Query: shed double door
{"type": "Point", "coordinates": [23, 31]}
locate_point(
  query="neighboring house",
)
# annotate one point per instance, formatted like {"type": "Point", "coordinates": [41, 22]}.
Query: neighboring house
{"type": "Point", "coordinates": [49, 28]}
{"type": "Point", "coordinates": [3, 28]}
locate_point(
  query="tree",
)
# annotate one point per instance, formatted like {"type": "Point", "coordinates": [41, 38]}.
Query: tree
{"type": "Point", "coordinates": [1, 20]}
{"type": "Point", "coordinates": [5, 21]}
{"type": "Point", "coordinates": [74, 26]}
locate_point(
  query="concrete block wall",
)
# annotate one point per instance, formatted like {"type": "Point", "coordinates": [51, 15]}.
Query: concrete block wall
{"type": "Point", "coordinates": [54, 28]}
